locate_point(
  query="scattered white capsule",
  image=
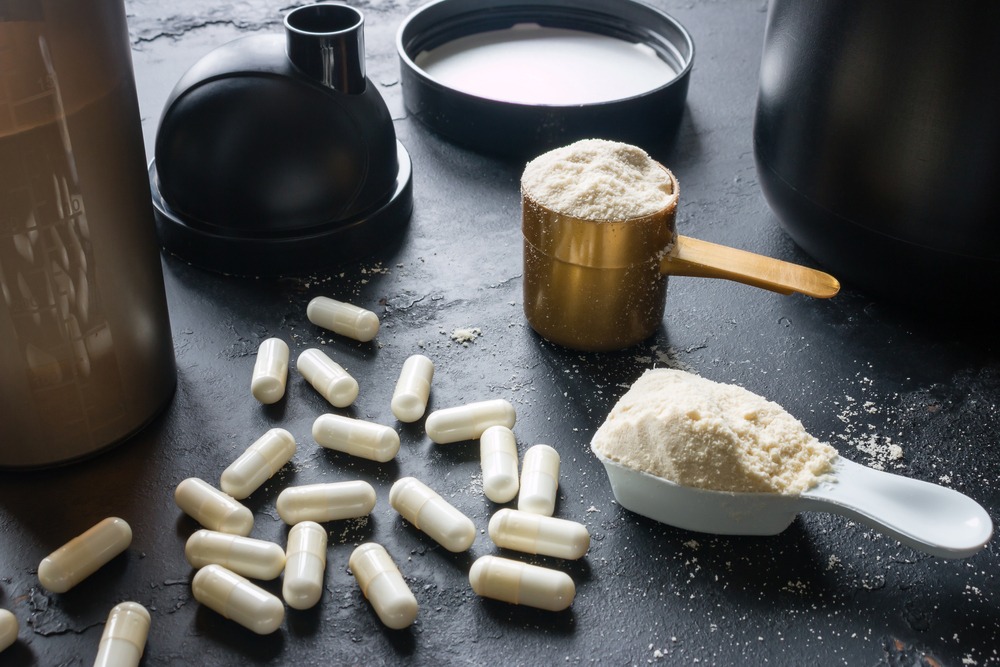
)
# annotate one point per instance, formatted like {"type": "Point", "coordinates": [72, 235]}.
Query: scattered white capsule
{"type": "Point", "coordinates": [124, 636]}
{"type": "Point", "coordinates": [539, 534]}
{"type": "Point", "coordinates": [498, 458]}
{"type": "Point", "coordinates": [238, 599]}
{"type": "Point", "coordinates": [270, 371]}
{"type": "Point", "coordinates": [429, 512]}
{"type": "Point", "coordinates": [79, 558]}
{"type": "Point", "coordinates": [356, 437]}
{"type": "Point", "coordinates": [539, 480]}
{"type": "Point", "coordinates": [305, 565]}
{"type": "Point", "coordinates": [331, 501]}
{"type": "Point", "coordinates": [521, 583]}
{"type": "Point", "coordinates": [212, 508]}
{"type": "Point", "coordinates": [383, 586]}
{"type": "Point", "coordinates": [247, 556]}
{"type": "Point", "coordinates": [8, 629]}
{"type": "Point", "coordinates": [409, 398]}
{"type": "Point", "coordinates": [258, 463]}
{"type": "Point", "coordinates": [327, 377]}
{"type": "Point", "coordinates": [343, 318]}
{"type": "Point", "coordinates": [467, 422]}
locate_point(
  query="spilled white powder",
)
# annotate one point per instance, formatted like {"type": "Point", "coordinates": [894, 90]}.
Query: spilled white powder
{"type": "Point", "coordinates": [596, 179]}
{"type": "Point", "coordinates": [466, 335]}
{"type": "Point", "coordinates": [696, 432]}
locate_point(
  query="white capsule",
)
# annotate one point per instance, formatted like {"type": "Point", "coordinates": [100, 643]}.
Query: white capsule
{"type": "Point", "coordinates": [213, 508]}
{"type": "Point", "coordinates": [343, 318]}
{"type": "Point", "coordinates": [8, 629]}
{"type": "Point", "coordinates": [521, 583]}
{"type": "Point", "coordinates": [238, 599]}
{"type": "Point", "coordinates": [124, 636]}
{"type": "Point", "coordinates": [383, 586]}
{"type": "Point", "coordinates": [305, 565]}
{"type": "Point", "coordinates": [331, 501]}
{"type": "Point", "coordinates": [467, 422]}
{"type": "Point", "coordinates": [539, 480]}
{"type": "Point", "coordinates": [79, 558]}
{"type": "Point", "coordinates": [258, 463]}
{"type": "Point", "coordinates": [539, 534]}
{"type": "Point", "coordinates": [246, 556]}
{"type": "Point", "coordinates": [270, 371]}
{"type": "Point", "coordinates": [356, 437]}
{"type": "Point", "coordinates": [327, 377]}
{"type": "Point", "coordinates": [498, 458]}
{"type": "Point", "coordinates": [427, 511]}
{"type": "Point", "coordinates": [409, 398]}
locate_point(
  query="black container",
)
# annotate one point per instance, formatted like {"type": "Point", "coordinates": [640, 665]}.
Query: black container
{"type": "Point", "coordinates": [649, 120]}
{"type": "Point", "coordinates": [877, 143]}
{"type": "Point", "coordinates": [275, 154]}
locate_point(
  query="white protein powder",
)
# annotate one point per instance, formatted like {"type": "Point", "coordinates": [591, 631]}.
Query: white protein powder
{"type": "Point", "coordinates": [596, 179]}
{"type": "Point", "coordinates": [704, 434]}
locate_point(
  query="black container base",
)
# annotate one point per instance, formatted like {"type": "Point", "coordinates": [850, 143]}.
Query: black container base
{"type": "Point", "coordinates": [281, 254]}
{"type": "Point", "coordinates": [901, 273]}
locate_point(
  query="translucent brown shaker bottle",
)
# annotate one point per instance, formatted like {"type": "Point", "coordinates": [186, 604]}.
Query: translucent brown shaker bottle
{"type": "Point", "coordinates": [86, 355]}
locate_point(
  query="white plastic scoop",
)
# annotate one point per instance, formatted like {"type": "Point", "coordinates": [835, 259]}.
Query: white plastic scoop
{"type": "Point", "coordinates": [928, 517]}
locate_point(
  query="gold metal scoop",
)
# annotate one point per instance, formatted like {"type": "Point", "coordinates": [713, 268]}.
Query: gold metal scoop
{"type": "Point", "coordinates": [598, 285]}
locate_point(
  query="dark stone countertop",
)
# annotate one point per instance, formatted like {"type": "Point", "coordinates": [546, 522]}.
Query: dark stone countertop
{"type": "Point", "coordinates": [858, 373]}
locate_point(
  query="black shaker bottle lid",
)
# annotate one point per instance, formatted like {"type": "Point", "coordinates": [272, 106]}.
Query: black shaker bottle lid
{"type": "Point", "coordinates": [270, 160]}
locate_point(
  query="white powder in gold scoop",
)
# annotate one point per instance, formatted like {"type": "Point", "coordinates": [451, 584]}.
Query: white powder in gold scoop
{"type": "Point", "coordinates": [597, 179]}
{"type": "Point", "coordinates": [704, 434]}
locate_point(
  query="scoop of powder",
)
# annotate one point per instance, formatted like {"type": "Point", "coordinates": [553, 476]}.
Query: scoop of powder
{"type": "Point", "coordinates": [704, 434]}
{"type": "Point", "coordinates": [596, 179]}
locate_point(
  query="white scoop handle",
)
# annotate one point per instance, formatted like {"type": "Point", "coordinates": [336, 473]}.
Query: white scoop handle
{"type": "Point", "coordinates": [928, 517]}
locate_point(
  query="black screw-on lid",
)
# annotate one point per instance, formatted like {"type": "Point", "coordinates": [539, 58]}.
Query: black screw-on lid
{"type": "Point", "coordinates": [491, 122]}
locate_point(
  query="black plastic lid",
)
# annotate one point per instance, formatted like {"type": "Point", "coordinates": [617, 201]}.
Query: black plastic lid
{"type": "Point", "coordinates": [649, 118]}
{"type": "Point", "coordinates": [276, 155]}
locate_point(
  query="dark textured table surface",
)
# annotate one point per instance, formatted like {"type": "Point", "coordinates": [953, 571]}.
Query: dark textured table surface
{"type": "Point", "coordinates": [858, 373]}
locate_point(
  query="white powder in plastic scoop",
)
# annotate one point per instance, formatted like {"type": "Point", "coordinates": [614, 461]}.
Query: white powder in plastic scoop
{"type": "Point", "coordinates": [596, 179]}
{"type": "Point", "coordinates": [704, 434]}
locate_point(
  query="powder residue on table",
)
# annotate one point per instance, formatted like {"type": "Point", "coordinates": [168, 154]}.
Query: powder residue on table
{"type": "Point", "coordinates": [704, 434]}
{"type": "Point", "coordinates": [596, 179]}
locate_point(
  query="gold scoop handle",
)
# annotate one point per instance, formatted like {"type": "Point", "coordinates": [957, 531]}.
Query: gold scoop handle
{"type": "Point", "coordinates": [702, 259]}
